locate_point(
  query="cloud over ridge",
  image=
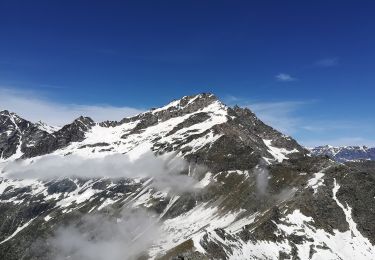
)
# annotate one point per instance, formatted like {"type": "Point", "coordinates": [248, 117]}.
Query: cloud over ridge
{"type": "Point", "coordinates": [34, 108]}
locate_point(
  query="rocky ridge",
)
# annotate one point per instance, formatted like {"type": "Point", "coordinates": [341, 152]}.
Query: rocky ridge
{"type": "Point", "coordinates": [261, 195]}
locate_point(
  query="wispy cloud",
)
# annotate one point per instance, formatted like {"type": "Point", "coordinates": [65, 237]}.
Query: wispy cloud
{"type": "Point", "coordinates": [340, 141]}
{"type": "Point", "coordinates": [321, 126]}
{"type": "Point", "coordinates": [164, 170]}
{"type": "Point", "coordinates": [283, 77]}
{"type": "Point", "coordinates": [310, 132]}
{"type": "Point", "coordinates": [126, 237]}
{"type": "Point", "coordinates": [293, 118]}
{"type": "Point", "coordinates": [281, 115]}
{"type": "Point", "coordinates": [34, 107]}
{"type": "Point", "coordinates": [327, 62]}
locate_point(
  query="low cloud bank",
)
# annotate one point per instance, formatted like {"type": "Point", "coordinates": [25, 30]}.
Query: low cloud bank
{"type": "Point", "coordinates": [166, 171]}
{"type": "Point", "coordinates": [97, 237]}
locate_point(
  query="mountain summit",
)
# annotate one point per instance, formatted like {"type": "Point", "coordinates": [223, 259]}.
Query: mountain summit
{"type": "Point", "coordinates": [194, 179]}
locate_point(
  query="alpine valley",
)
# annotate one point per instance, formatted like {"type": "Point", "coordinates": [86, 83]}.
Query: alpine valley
{"type": "Point", "coordinates": [194, 179]}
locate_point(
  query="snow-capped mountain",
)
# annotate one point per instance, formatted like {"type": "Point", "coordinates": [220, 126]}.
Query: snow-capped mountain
{"type": "Point", "coordinates": [194, 179]}
{"type": "Point", "coordinates": [47, 128]}
{"type": "Point", "coordinates": [345, 153]}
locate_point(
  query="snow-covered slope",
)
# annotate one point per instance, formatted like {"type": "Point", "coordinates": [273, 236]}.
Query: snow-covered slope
{"type": "Point", "coordinates": [345, 153]}
{"type": "Point", "coordinates": [194, 179]}
{"type": "Point", "coordinates": [47, 128]}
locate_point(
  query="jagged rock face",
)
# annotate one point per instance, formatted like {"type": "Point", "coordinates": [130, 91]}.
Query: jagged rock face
{"type": "Point", "coordinates": [17, 134]}
{"type": "Point", "coordinates": [259, 194]}
{"type": "Point", "coordinates": [346, 153]}
{"type": "Point", "coordinates": [21, 137]}
{"type": "Point", "coordinates": [74, 132]}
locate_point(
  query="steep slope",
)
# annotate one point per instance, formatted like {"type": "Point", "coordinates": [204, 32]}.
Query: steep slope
{"type": "Point", "coordinates": [345, 153]}
{"type": "Point", "coordinates": [257, 193]}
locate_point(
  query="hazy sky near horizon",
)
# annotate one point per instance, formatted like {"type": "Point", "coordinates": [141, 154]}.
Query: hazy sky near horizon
{"type": "Point", "coordinates": [305, 67]}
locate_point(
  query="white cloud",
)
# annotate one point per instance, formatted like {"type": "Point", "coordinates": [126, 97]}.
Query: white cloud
{"type": "Point", "coordinates": [126, 237]}
{"type": "Point", "coordinates": [340, 141]}
{"type": "Point", "coordinates": [284, 77]}
{"type": "Point", "coordinates": [279, 115]}
{"type": "Point", "coordinates": [311, 132]}
{"type": "Point", "coordinates": [321, 126]}
{"type": "Point", "coordinates": [165, 170]}
{"type": "Point", "coordinates": [327, 62]}
{"type": "Point", "coordinates": [288, 118]}
{"type": "Point", "coordinates": [34, 107]}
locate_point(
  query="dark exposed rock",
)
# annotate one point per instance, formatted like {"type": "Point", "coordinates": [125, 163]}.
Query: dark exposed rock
{"type": "Point", "coordinates": [17, 133]}
{"type": "Point", "coordinates": [192, 120]}
{"type": "Point", "coordinates": [94, 145]}
{"type": "Point", "coordinates": [73, 132]}
{"type": "Point", "coordinates": [64, 185]}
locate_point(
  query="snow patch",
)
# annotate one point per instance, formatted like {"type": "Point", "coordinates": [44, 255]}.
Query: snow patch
{"type": "Point", "coordinates": [19, 229]}
{"type": "Point", "coordinates": [316, 181]}
{"type": "Point", "coordinates": [279, 154]}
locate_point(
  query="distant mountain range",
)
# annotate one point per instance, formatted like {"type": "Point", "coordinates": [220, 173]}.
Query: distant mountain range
{"type": "Point", "coordinates": [195, 179]}
{"type": "Point", "coordinates": [345, 153]}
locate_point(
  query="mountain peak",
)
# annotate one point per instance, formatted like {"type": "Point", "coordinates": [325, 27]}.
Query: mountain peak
{"type": "Point", "coordinates": [84, 121]}
{"type": "Point", "coordinates": [7, 113]}
{"type": "Point", "coordinates": [10, 118]}
{"type": "Point", "coordinates": [45, 127]}
{"type": "Point", "coordinates": [196, 102]}
{"type": "Point", "coordinates": [4, 112]}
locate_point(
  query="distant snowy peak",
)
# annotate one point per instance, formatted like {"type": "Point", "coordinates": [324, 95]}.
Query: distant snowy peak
{"type": "Point", "coordinates": [47, 128]}
{"type": "Point", "coordinates": [345, 153]}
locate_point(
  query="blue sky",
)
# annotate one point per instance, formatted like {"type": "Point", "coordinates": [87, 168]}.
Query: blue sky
{"type": "Point", "coordinates": [305, 67]}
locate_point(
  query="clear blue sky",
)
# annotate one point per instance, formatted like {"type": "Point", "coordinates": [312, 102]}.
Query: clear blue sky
{"type": "Point", "coordinates": [306, 67]}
